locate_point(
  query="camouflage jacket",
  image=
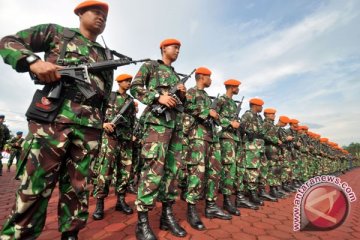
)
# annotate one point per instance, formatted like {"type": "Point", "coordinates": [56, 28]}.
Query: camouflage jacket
{"type": "Point", "coordinates": [271, 137]}
{"type": "Point", "coordinates": [253, 125]}
{"type": "Point", "coordinates": [295, 135]}
{"type": "Point", "coordinates": [126, 125]}
{"type": "Point", "coordinates": [49, 38]}
{"type": "Point", "coordinates": [226, 108]}
{"type": "Point", "coordinates": [304, 139]}
{"type": "Point", "coordinates": [4, 135]}
{"type": "Point", "coordinates": [15, 143]}
{"type": "Point", "coordinates": [197, 107]}
{"type": "Point", "coordinates": [152, 78]}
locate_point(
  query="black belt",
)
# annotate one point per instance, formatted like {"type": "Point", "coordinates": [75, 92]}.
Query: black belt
{"type": "Point", "coordinates": [76, 97]}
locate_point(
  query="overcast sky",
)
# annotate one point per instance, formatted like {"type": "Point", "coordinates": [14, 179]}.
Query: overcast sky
{"type": "Point", "coordinates": [300, 57]}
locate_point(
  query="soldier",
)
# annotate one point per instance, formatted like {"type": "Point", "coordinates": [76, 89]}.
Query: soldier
{"type": "Point", "coordinates": [4, 136]}
{"type": "Point", "coordinates": [203, 156]}
{"type": "Point", "coordinates": [116, 149]}
{"type": "Point", "coordinates": [61, 148]}
{"type": "Point", "coordinates": [294, 149]}
{"type": "Point", "coordinates": [15, 149]}
{"type": "Point", "coordinates": [232, 153]}
{"type": "Point", "coordinates": [254, 147]}
{"type": "Point", "coordinates": [273, 152]}
{"type": "Point", "coordinates": [151, 86]}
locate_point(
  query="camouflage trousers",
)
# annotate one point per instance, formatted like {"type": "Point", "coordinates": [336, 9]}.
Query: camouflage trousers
{"type": "Point", "coordinates": [182, 173]}
{"type": "Point", "coordinates": [161, 152]}
{"type": "Point", "coordinates": [286, 171]}
{"type": "Point", "coordinates": [232, 171]}
{"type": "Point", "coordinates": [203, 163]}
{"type": "Point", "coordinates": [53, 152]}
{"type": "Point", "coordinates": [274, 172]}
{"type": "Point", "coordinates": [14, 154]}
{"type": "Point", "coordinates": [115, 160]}
{"type": "Point", "coordinates": [254, 161]}
{"type": "Point", "coordinates": [137, 163]}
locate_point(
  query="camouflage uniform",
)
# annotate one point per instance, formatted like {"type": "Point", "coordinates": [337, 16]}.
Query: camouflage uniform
{"type": "Point", "coordinates": [203, 157]}
{"type": "Point", "coordinates": [63, 149]}
{"type": "Point", "coordinates": [115, 155]}
{"type": "Point", "coordinates": [4, 136]}
{"type": "Point", "coordinates": [296, 162]}
{"type": "Point", "coordinates": [286, 150]}
{"type": "Point", "coordinates": [273, 152]}
{"type": "Point", "coordinates": [160, 142]}
{"type": "Point", "coordinates": [254, 148]}
{"type": "Point", "coordinates": [231, 148]}
{"type": "Point", "coordinates": [15, 150]}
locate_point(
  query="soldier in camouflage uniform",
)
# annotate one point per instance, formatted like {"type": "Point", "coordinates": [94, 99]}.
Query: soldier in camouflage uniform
{"type": "Point", "coordinates": [115, 155]}
{"type": "Point", "coordinates": [15, 149]}
{"type": "Point", "coordinates": [203, 156]}
{"type": "Point", "coordinates": [231, 149]}
{"type": "Point", "coordinates": [254, 148]}
{"type": "Point", "coordinates": [273, 152]}
{"type": "Point", "coordinates": [292, 184]}
{"type": "Point", "coordinates": [62, 149]}
{"type": "Point", "coordinates": [232, 152]}
{"type": "Point", "coordinates": [4, 136]}
{"type": "Point", "coordinates": [151, 86]}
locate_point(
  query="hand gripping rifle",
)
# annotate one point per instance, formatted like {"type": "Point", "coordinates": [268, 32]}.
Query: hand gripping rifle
{"type": "Point", "coordinates": [237, 117]}
{"type": "Point", "coordinates": [159, 109]}
{"type": "Point", "coordinates": [211, 122]}
{"type": "Point", "coordinates": [80, 74]}
{"type": "Point", "coordinates": [119, 118]}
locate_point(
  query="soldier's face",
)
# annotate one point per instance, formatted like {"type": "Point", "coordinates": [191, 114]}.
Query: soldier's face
{"type": "Point", "coordinates": [270, 116]}
{"type": "Point", "coordinates": [235, 89]}
{"type": "Point", "coordinates": [94, 20]}
{"type": "Point", "coordinates": [258, 108]}
{"type": "Point", "coordinates": [171, 52]}
{"type": "Point", "coordinates": [207, 80]}
{"type": "Point", "coordinates": [1, 120]}
{"type": "Point", "coordinates": [125, 84]}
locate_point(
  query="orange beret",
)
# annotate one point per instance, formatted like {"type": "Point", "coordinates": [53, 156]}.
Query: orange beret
{"type": "Point", "coordinates": [203, 70]}
{"type": "Point", "coordinates": [257, 101]}
{"type": "Point", "coordinates": [170, 41]}
{"type": "Point", "coordinates": [303, 128]}
{"type": "Point", "coordinates": [232, 82]}
{"type": "Point", "coordinates": [270, 110]}
{"type": "Point", "coordinates": [136, 103]}
{"type": "Point", "coordinates": [123, 77]}
{"type": "Point", "coordinates": [284, 119]}
{"type": "Point", "coordinates": [324, 139]}
{"type": "Point", "coordinates": [294, 121]}
{"type": "Point", "coordinates": [91, 3]}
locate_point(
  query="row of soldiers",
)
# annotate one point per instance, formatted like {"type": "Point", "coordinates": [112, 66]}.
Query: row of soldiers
{"type": "Point", "coordinates": [9, 144]}
{"type": "Point", "coordinates": [207, 147]}
{"type": "Point", "coordinates": [180, 143]}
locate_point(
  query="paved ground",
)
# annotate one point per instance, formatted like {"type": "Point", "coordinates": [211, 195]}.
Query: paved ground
{"type": "Point", "coordinates": [273, 221]}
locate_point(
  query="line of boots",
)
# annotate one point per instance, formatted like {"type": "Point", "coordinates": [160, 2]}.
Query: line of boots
{"type": "Point", "coordinates": [121, 206]}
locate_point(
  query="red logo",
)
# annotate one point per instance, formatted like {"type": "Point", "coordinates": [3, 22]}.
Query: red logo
{"type": "Point", "coordinates": [325, 207]}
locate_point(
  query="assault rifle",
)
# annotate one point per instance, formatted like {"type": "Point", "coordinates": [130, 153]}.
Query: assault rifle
{"type": "Point", "coordinates": [119, 118]}
{"type": "Point", "coordinates": [80, 74]}
{"type": "Point", "coordinates": [159, 109]}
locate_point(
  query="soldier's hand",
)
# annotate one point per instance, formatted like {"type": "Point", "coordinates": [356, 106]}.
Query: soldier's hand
{"type": "Point", "coordinates": [181, 87]}
{"type": "Point", "coordinates": [46, 72]}
{"type": "Point", "coordinates": [279, 142]}
{"type": "Point", "coordinates": [134, 138]}
{"type": "Point", "coordinates": [289, 138]}
{"type": "Point", "coordinates": [214, 114]}
{"type": "Point", "coordinates": [109, 127]}
{"type": "Point", "coordinates": [167, 100]}
{"type": "Point", "coordinates": [235, 124]}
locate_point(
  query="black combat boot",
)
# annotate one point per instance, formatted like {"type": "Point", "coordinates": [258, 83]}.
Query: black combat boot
{"type": "Point", "coordinates": [99, 210]}
{"type": "Point", "coordinates": [265, 196]}
{"type": "Point", "coordinates": [8, 169]}
{"type": "Point", "coordinates": [71, 235]}
{"type": "Point", "coordinates": [296, 184]}
{"type": "Point", "coordinates": [291, 186]}
{"type": "Point", "coordinates": [143, 230]}
{"type": "Point", "coordinates": [286, 187]}
{"type": "Point", "coordinates": [193, 218]}
{"type": "Point", "coordinates": [213, 211]}
{"type": "Point", "coordinates": [242, 202]}
{"type": "Point", "coordinates": [131, 189]}
{"type": "Point", "coordinates": [229, 207]}
{"type": "Point", "coordinates": [255, 198]}
{"type": "Point", "coordinates": [168, 221]}
{"type": "Point", "coordinates": [122, 206]}
{"type": "Point", "coordinates": [274, 193]}
{"type": "Point", "coordinates": [281, 191]}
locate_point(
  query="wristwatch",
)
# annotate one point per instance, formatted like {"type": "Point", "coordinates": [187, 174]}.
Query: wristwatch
{"type": "Point", "coordinates": [157, 95]}
{"type": "Point", "coordinates": [31, 59]}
